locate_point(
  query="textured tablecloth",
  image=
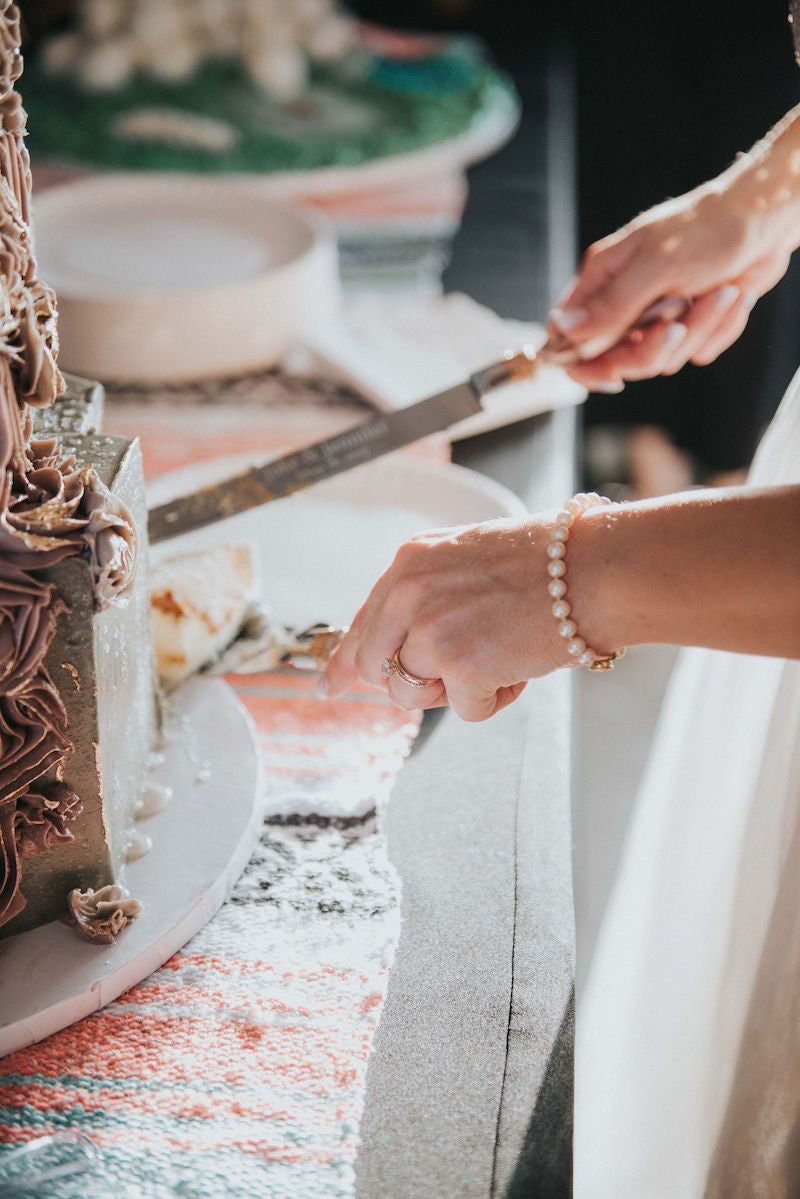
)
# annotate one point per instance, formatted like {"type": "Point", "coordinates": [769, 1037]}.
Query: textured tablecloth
{"type": "Point", "coordinates": [238, 1068]}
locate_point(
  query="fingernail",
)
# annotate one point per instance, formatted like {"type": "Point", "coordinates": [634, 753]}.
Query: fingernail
{"type": "Point", "coordinates": [322, 688]}
{"type": "Point", "coordinates": [566, 292]}
{"type": "Point", "coordinates": [728, 295]}
{"type": "Point", "coordinates": [594, 348]}
{"type": "Point", "coordinates": [675, 334]}
{"type": "Point", "coordinates": [608, 387]}
{"type": "Point", "coordinates": [567, 318]}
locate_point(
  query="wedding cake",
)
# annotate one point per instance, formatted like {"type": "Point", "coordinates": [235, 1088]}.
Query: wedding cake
{"type": "Point", "coordinates": [251, 87]}
{"type": "Point", "coordinates": [77, 706]}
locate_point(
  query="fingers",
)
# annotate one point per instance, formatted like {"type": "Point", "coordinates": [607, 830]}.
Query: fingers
{"type": "Point", "coordinates": [621, 276]}
{"type": "Point", "coordinates": [417, 634]}
{"type": "Point", "coordinates": [344, 665]}
{"type": "Point", "coordinates": [761, 276]}
{"type": "Point", "coordinates": [643, 354]}
{"type": "Point", "coordinates": [375, 636]}
{"type": "Point", "coordinates": [359, 656]}
{"type": "Point", "coordinates": [617, 281]}
{"type": "Point", "coordinates": [712, 323]}
{"type": "Point", "coordinates": [341, 672]}
{"type": "Point", "coordinates": [735, 302]}
{"type": "Point", "coordinates": [707, 314]}
{"type": "Point", "coordinates": [411, 697]}
{"type": "Point", "coordinates": [727, 331]}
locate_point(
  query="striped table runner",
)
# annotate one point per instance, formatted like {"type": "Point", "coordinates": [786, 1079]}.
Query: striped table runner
{"type": "Point", "coordinates": [238, 1068]}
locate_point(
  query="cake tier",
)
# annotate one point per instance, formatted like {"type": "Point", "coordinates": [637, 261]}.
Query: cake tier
{"type": "Point", "coordinates": [101, 663]}
{"type": "Point", "coordinates": [341, 120]}
{"type": "Point", "coordinates": [78, 410]}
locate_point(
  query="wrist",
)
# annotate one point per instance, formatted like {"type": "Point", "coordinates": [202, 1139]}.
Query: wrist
{"type": "Point", "coordinates": [593, 596]}
{"type": "Point", "coordinates": [762, 187]}
{"type": "Point", "coordinates": [690, 569]}
{"type": "Point", "coordinates": [579, 648]}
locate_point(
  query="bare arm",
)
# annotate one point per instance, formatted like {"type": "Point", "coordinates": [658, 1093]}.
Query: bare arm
{"type": "Point", "coordinates": [470, 606]}
{"type": "Point", "coordinates": [722, 246]}
{"type": "Point", "coordinates": [717, 568]}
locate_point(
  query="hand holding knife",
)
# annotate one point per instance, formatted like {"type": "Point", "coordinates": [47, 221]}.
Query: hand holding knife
{"type": "Point", "coordinates": [379, 435]}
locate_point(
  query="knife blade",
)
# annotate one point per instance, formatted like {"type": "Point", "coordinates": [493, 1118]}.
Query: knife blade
{"type": "Point", "coordinates": [361, 443]}
{"type": "Point", "coordinates": [379, 435]}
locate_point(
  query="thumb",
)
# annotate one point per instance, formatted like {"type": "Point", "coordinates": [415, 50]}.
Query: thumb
{"type": "Point", "coordinates": [341, 671]}
{"type": "Point", "coordinates": [614, 287]}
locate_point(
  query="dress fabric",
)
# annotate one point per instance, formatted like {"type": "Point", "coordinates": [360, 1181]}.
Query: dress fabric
{"type": "Point", "coordinates": [688, 1029]}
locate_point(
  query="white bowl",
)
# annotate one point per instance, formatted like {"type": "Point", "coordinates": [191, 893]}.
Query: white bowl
{"type": "Point", "coordinates": [174, 278]}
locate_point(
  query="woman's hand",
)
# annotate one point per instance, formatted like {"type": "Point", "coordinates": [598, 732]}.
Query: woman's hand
{"type": "Point", "coordinates": [470, 607]}
{"type": "Point", "coordinates": [720, 247]}
{"type": "Point", "coordinates": [467, 607]}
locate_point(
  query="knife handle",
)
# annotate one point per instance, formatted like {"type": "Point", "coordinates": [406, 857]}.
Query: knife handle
{"type": "Point", "coordinates": [562, 351]}
{"type": "Point", "coordinates": [524, 363]}
{"type": "Point", "coordinates": [314, 645]}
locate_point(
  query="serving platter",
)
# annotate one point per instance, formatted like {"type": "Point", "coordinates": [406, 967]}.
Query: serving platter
{"type": "Point", "coordinates": [201, 841]}
{"type": "Point", "coordinates": [319, 551]}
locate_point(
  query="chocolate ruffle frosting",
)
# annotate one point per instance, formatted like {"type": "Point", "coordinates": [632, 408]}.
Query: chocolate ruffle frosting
{"type": "Point", "coordinates": [49, 509]}
{"type": "Point", "coordinates": [98, 916]}
{"type": "Point", "coordinates": [28, 828]}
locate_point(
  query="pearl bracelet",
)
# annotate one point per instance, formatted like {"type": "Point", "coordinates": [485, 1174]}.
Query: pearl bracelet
{"type": "Point", "coordinates": [557, 568]}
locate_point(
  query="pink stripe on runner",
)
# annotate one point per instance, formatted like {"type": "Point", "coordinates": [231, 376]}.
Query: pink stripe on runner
{"type": "Point", "coordinates": [232, 966]}
{"type": "Point", "coordinates": [132, 1045]}
{"type": "Point", "coordinates": [234, 999]}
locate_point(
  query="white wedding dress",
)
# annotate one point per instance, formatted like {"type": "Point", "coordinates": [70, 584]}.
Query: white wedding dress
{"type": "Point", "coordinates": [688, 1031]}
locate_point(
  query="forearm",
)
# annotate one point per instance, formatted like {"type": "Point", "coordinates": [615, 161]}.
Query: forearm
{"type": "Point", "coordinates": [764, 185]}
{"type": "Point", "coordinates": [713, 568]}
{"type": "Point", "coordinates": [720, 246]}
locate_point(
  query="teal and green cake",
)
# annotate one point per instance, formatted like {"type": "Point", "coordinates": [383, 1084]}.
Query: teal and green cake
{"type": "Point", "coordinates": [219, 120]}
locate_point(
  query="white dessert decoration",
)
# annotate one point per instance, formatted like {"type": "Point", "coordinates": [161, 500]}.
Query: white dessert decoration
{"type": "Point", "coordinates": [276, 41]}
{"type": "Point", "coordinates": [176, 127]}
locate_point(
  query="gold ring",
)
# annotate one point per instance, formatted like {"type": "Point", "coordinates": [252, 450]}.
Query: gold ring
{"type": "Point", "coordinates": [393, 665]}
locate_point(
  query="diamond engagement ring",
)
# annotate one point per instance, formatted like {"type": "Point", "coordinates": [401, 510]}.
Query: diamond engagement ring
{"type": "Point", "coordinates": [393, 665]}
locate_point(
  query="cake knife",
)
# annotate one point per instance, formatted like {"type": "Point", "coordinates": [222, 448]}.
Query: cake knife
{"type": "Point", "coordinates": [379, 435]}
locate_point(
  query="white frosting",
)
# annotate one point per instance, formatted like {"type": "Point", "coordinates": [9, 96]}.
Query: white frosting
{"type": "Point", "coordinates": [154, 799]}
{"type": "Point", "coordinates": [138, 845]}
{"type": "Point", "coordinates": [170, 40]}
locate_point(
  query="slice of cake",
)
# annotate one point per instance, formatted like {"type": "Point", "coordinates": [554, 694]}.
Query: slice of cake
{"type": "Point", "coordinates": [76, 680]}
{"type": "Point", "coordinates": [199, 601]}
{"type": "Point", "coordinates": [208, 616]}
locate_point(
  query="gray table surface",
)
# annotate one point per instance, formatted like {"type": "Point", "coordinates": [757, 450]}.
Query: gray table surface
{"type": "Point", "coordinates": [469, 1089]}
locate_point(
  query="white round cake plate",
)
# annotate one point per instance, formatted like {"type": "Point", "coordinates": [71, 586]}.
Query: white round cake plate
{"type": "Point", "coordinates": [172, 277]}
{"type": "Point", "coordinates": [202, 840]}
{"type": "Point", "coordinates": [318, 552]}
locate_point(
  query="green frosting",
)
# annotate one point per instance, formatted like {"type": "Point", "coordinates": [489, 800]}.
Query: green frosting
{"type": "Point", "coordinates": [393, 108]}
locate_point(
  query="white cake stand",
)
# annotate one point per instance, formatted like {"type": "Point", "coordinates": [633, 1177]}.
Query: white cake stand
{"type": "Point", "coordinates": [202, 840]}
